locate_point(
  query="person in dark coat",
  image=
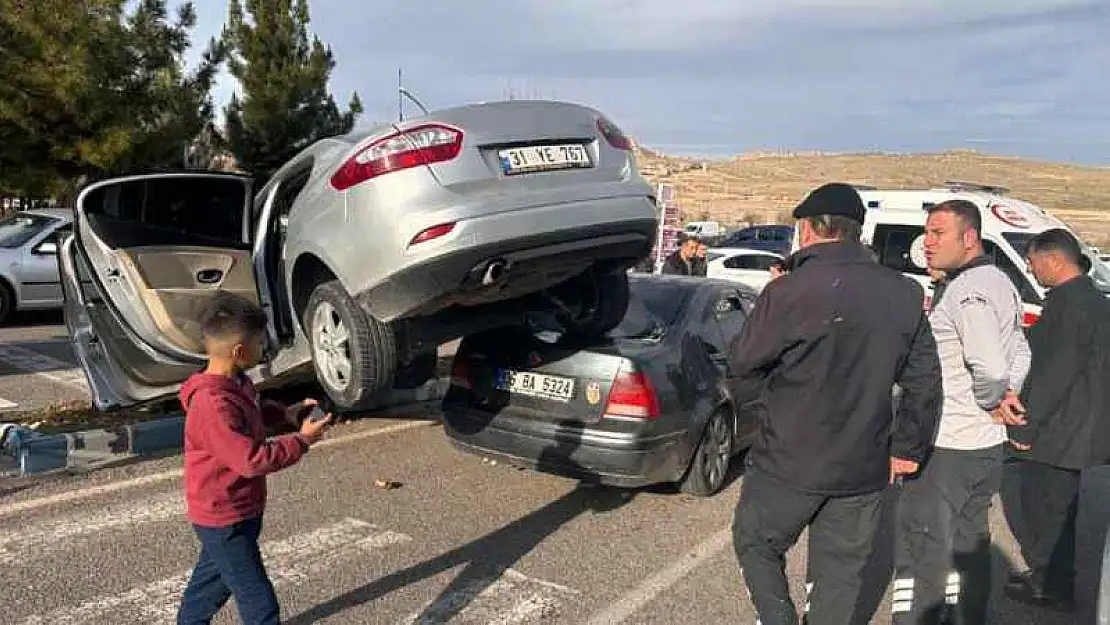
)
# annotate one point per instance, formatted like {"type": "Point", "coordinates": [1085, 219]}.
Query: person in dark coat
{"type": "Point", "coordinates": [684, 260]}
{"type": "Point", "coordinates": [826, 343]}
{"type": "Point", "coordinates": [1067, 429]}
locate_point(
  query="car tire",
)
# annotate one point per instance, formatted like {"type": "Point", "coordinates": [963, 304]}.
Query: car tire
{"type": "Point", "coordinates": [708, 470]}
{"type": "Point", "coordinates": [601, 301]}
{"type": "Point", "coordinates": [416, 373]}
{"type": "Point", "coordinates": [7, 302]}
{"type": "Point", "coordinates": [353, 354]}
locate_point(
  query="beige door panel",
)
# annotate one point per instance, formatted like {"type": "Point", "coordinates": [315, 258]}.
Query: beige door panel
{"type": "Point", "coordinates": [166, 278]}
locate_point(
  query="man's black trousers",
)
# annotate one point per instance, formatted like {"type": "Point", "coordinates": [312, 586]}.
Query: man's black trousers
{"type": "Point", "coordinates": [942, 566]}
{"type": "Point", "coordinates": [1049, 502]}
{"type": "Point", "coordinates": [769, 519]}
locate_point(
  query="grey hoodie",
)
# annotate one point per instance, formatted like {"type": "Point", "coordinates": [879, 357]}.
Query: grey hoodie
{"type": "Point", "coordinates": [976, 320]}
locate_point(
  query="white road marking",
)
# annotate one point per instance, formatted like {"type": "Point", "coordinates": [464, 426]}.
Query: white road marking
{"type": "Point", "coordinates": [650, 588]}
{"type": "Point", "coordinates": [166, 476]}
{"type": "Point", "coordinates": [7, 405]}
{"type": "Point", "coordinates": [55, 533]}
{"type": "Point", "coordinates": [510, 599]}
{"type": "Point", "coordinates": [44, 366]}
{"type": "Point", "coordinates": [289, 561]}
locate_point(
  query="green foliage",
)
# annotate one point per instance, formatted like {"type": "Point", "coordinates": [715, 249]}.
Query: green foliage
{"type": "Point", "coordinates": [285, 104]}
{"type": "Point", "coordinates": [90, 89]}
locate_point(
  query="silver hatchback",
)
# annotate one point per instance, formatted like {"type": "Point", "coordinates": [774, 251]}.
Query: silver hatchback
{"type": "Point", "coordinates": [29, 260]}
{"type": "Point", "coordinates": [367, 250]}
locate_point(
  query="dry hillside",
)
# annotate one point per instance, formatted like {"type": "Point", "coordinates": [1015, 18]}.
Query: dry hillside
{"type": "Point", "coordinates": [761, 188]}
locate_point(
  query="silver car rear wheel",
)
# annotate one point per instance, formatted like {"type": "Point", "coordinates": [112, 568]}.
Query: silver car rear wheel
{"type": "Point", "coordinates": [354, 355]}
{"type": "Point", "coordinates": [331, 346]}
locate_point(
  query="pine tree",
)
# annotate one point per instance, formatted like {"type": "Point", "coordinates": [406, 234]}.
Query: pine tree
{"type": "Point", "coordinates": [90, 90]}
{"type": "Point", "coordinates": [283, 75]}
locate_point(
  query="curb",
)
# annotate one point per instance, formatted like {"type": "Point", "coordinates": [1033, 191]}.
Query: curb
{"type": "Point", "coordinates": [162, 434]}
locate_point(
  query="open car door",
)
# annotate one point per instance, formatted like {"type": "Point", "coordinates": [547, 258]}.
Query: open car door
{"type": "Point", "coordinates": [147, 253]}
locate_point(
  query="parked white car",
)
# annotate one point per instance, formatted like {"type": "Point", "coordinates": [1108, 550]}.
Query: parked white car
{"type": "Point", "coordinates": [744, 265]}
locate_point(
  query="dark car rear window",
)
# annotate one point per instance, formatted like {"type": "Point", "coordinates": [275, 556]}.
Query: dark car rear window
{"type": "Point", "coordinates": [652, 304]}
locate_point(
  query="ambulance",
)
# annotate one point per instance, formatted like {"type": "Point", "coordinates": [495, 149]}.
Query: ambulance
{"type": "Point", "coordinates": [895, 228]}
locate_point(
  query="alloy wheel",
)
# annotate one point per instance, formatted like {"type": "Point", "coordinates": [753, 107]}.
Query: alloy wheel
{"type": "Point", "coordinates": [331, 346]}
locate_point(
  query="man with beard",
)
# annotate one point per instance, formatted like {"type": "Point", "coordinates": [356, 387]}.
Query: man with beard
{"type": "Point", "coordinates": [944, 546]}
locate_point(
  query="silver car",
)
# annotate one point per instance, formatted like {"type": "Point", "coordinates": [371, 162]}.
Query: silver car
{"type": "Point", "coordinates": [29, 260]}
{"type": "Point", "coordinates": [367, 250]}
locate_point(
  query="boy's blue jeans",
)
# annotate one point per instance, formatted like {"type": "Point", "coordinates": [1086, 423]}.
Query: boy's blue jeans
{"type": "Point", "coordinates": [230, 564]}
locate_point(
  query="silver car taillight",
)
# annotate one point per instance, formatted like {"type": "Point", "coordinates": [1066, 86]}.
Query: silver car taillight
{"type": "Point", "coordinates": [422, 145]}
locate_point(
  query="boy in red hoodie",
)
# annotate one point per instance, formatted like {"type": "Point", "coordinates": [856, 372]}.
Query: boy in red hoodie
{"type": "Point", "coordinates": [227, 457]}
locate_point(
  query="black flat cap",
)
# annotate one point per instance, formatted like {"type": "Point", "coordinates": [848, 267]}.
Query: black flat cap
{"type": "Point", "coordinates": [834, 198]}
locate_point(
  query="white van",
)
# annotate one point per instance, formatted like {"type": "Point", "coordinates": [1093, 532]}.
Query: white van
{"type": "Point", "coordinates": [705, 228]}
{"type": "Point", "coordinates": [895, 228]}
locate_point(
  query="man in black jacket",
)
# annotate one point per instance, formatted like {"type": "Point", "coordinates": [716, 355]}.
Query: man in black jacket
{"type": "Point", "coordinates": [827, 343]}
{"type": "Point", "coordinates": [1066, 396]}
{"type": "Point", "coordinates": [684, 260]}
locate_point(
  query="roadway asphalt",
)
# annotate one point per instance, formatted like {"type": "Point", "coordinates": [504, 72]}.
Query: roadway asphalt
{"type": "Point", "coordinates": [37, 366]}
{"type": "Point", "coordinates": [460, 540]}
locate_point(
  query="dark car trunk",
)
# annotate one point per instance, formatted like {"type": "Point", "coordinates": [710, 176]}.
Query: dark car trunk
{"type": "Point", "coordinates": [518, 373]}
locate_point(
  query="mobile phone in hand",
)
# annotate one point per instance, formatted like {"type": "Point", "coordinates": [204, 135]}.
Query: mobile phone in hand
{"type": "Point", "coordinates": [316, 414]}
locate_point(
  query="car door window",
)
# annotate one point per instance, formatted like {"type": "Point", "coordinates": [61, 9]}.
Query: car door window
{"type": "Point", "coordinates": [202, 211]}
{"type": "Point", "coordinates": [893, 243]}
{"type": "Point", "coordinates": [756, 262]}
{"type": "Point", "coordinates": [1016, 275]}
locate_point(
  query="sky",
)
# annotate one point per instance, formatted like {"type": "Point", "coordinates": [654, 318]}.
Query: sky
{"type": "Point", "coordinates": [716, 78]}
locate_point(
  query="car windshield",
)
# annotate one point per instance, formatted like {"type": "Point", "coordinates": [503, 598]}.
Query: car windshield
{"type": "Point", "coordinates": [1100, 272]}
{"type": "Point", "coordinates": [653, 306]}
{"type": "Point", "coordinates": [21, 228]}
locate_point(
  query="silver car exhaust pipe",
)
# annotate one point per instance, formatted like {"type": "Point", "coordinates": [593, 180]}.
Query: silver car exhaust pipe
{"type": "Point", "coordinates": [495, 272]}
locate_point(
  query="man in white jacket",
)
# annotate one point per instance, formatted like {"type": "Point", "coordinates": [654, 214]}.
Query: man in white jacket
{"type": "Point", "coordinates": [942, 566]}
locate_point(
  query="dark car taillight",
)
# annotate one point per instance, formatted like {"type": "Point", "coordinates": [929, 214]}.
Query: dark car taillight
{"type": "Point", "coordinates": [632, 395]}
{"type": "Point", "coordinates": [613, 135]}
{"type": "Point", "coordinates": [422, 145]}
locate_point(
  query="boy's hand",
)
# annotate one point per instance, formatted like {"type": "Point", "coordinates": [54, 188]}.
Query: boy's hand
{"type": "Point", "coordinates": [313, 430]}
{"type": "Point", "coordinates": [294, 413]}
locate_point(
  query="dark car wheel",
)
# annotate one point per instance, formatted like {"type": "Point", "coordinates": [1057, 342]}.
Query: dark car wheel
{"type": "Point", "coordinates": [354, 355]}
{"type": "Point", "coordinates": [709, 468]}
{"type": "Point", "coordinates": [597, 301]}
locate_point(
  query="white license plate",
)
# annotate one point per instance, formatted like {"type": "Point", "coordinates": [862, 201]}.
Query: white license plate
{"type": "Point", "coordinates": [542, 158]}
{"type": "Point", "coordinates": [535, 384]}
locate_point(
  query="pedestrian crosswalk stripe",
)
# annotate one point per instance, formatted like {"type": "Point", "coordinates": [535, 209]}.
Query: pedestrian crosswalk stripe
{"type": "Point", "coordinates": [510, 599]}
{"type": "Point", "coordinates": [288, 561]}
{"type": "Point", "coordinates": [57, 533]}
